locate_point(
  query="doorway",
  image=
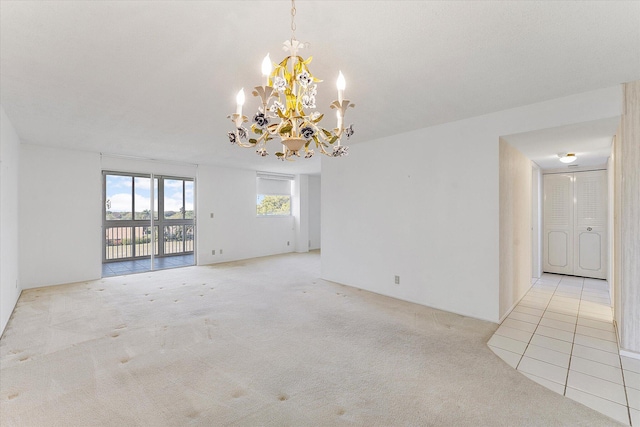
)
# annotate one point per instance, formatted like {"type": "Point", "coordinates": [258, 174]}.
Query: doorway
{"type": "Point", "coordinates": [139, 237]}
{"type": "Point", "coordinates": [575, 223]}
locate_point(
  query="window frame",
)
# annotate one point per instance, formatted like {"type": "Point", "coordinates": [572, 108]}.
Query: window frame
{"type": "Point", "coordinates": [274, 177]}
{"type": "Point", "coordinates": [160, 223]}
{"type": "Point", "coordinates": [184, 180]}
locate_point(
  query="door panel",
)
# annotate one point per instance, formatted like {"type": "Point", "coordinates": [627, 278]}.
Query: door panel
{"type": "Point", "coordinates": [558, 224]}
{"type": "Point", "coordinates": [589, 250]}
{"type": "Point", "coordinates": [590, 198]}
{"type": "Point", "coordinates": [558, 249]}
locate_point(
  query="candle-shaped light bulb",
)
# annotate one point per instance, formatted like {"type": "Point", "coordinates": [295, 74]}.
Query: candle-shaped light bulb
{"type": "Point", "coordinates": [266, 69]}
{"type": "Point", "coordinates": [341, 84]}
{"type": "Point", "coordinates": [240, 102]}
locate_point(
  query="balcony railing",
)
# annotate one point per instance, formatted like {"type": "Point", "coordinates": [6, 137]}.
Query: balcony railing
{"type": "Point", "coordinates": [131, 241]}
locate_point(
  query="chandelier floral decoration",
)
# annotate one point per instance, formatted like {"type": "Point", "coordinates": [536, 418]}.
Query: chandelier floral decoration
{"type": "Point", "coordinates": [287, 109]}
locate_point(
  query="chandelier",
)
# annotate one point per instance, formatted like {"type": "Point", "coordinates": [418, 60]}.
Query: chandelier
{"type": "Point", "coordinates": [287, 109]}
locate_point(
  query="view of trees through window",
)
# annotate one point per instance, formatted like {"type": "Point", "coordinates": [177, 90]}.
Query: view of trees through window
{"type": "Point", "coordinates": [274, 194]}
{"type": "Point", "coordinates": [274, 205]}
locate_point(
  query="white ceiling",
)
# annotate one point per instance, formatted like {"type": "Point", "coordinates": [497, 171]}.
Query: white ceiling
{"type": "Point", "coordinates": [590, 142]}
{"type": "Point", "coordinates": [157, 79]}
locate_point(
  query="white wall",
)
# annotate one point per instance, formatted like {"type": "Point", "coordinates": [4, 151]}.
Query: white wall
{"type": "Point", "coordinates": [627, 162]}
{"type": "Point", "coordinates": [536, 221]}
{"type": "Point", "coordinates": [300, 212]}
{"type": "Point", "coordinates": [315, 204]}
{"type": "Point", "coordinates": [424, 205]}
{"type": "Point", "coordinates": [10, 287]}
{"type": "Point", "coordinates": [611, 234]}
{"type": "Point", "coordinates": [134, 165]}
{"type": "Point", "coordinates": [515, 226]}
{"type": "Point", "coordinates": [60, 207]}
{"type": "Point", "coordinates": [414, 206]}
{"type": "Point", "coordinates": [230, 194]}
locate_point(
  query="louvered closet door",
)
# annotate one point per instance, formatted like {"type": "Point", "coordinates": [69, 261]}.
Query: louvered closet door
{"type": "Point", "coordinates": [558, 224]}
{"type": "Point", "coordinates": [590, 221]}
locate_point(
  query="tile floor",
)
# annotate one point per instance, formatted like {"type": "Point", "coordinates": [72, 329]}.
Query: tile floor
{"type": "Point", "coordinates": [121, 268]}
{"type": "Point", "coordinates": [561, 335]}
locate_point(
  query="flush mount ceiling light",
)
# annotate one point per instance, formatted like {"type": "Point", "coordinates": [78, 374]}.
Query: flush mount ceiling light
{"type": "Point", "coordinates": [286, 111]}
{"type": "Point", "coordinates": [567, 157]}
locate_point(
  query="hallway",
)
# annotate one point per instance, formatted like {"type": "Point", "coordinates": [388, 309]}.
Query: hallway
{"type": "Point", "coordinates": [561, 335]}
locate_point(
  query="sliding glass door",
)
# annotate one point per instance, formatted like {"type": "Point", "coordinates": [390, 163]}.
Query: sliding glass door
{"type": "Point", "coordinates": [177, 219]}
{"type": "Point", "coordinates": [135, 231]}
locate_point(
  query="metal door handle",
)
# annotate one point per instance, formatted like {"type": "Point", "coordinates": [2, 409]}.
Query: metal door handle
{"type": "Point", "coordinates": [589, 228]}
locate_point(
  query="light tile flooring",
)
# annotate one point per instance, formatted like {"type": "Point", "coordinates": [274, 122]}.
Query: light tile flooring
{"type": "Point", "coordinates": [561, 335]}
{"type": "Point", "coordinates": [141, 265]}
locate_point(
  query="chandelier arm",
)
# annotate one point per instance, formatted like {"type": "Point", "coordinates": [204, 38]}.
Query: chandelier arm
{"type": "Point", "coordinates": [320, 132]}
{"type": "Point", "coordinates": [238, 119]}
{"type": "Point", "coordinates": [261, 139]}
{"type": "Point", "coordinates": [265, 93]}
{"type": "Point", "coordinates": [323, 151]}
{"type": "Point", "coordinates": [321, 142]}
{"type": "Point", "coordinates": [286, 154]}
{"type": "Point", "coordinates": [245, 144]}
{"type": "Point", "coordinates": [276, 131]}
{"type": "Point", "coordinates": [342, 108]}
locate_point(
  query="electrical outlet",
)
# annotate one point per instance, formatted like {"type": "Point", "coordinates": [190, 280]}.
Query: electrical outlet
{"type": "Point", "coordinates": [220, 251]}
{"type": "Point", "coordinates": [287, 243]}
{"type": "Point", "coordinates": [397, 280]}
{"type": "Point", "coordinates": [213, 252]}
{"type": "Point", "coordinates": [211, 214]}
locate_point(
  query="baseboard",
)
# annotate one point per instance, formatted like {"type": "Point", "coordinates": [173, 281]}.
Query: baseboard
{"type": "Point", "coordinates": [447, 310]}
{"type": "Point", "coordinates": [630, 354]}
{"type": "Point", "coordinates": [514, 305]}
{"type": "Point", "coordinates": [4, 328]}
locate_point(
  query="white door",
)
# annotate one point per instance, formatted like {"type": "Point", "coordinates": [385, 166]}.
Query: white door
{"type": "Point", "coordinates": [590, 221]}
{"type": "Point", "coordinates": [558, 224]}
{"type": "Point", "coordinates": [575, 211]}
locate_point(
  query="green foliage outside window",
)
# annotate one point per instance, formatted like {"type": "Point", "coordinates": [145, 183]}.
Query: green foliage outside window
{"type": "Point", "coordinates": [274, 205]}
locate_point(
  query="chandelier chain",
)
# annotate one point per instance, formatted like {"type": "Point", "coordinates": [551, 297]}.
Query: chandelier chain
{"type": "Point", "coordinates": [293, 22]}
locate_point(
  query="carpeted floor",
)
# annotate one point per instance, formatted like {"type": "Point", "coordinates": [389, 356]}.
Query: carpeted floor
{"type": "Point", "coordinates": [259, 342]}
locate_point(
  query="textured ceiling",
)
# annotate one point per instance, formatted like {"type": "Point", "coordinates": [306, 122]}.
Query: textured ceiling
{"type": "Point", "coordinates": [590, 142]}
{"type": "Point", "coordinates": [157, 79]}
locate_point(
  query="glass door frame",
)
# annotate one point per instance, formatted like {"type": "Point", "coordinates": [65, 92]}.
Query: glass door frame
{"type": "Point", "coordinates": [172, 232]}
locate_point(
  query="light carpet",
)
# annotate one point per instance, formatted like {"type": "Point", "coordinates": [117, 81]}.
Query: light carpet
{"type": "Point", "coordinates": [253, 343]}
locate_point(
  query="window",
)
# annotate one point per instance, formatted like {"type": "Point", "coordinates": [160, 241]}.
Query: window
{"type": "Point", "coordinates": [178, 198]}
{"type": "Point", "coordinates": [127, 216]}
{"type": "Point", "coordinates": [119, 199]}
{"type": "Point", "coordinates": [127, 194]}
{"type": "Point", "coordinates": [274, 194]}
{"type": "Point", "coordinates": [142, 187]}
{"type": "Point", "coordinates": [128, 229]}
{"type": "Point", "coordinates": [178, 219]}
